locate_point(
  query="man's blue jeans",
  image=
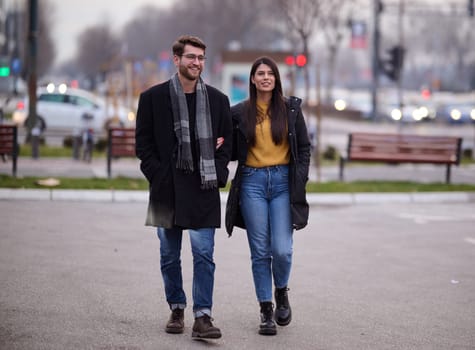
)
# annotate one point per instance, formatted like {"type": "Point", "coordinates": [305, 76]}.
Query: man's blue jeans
{"type": "Point", "coordinates": [202, 247]}
{"type": "Point", "coordinates": [265, 206]}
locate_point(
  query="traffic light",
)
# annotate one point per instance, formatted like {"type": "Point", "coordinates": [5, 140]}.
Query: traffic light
{"type": "Point", "coordinates": [300, 60]}
{"type": "Point", "coordinates": [470, 8]}
{"type": "Point", "coordinates": [4, 66]}
{"type": "Point", "coordinates": [425, 92]}
{"type": "Point", "coordinates": [392, 66]}
{"type": "Point", "coordinates": [4, 71]}
{"type": "Point", "coordinates": [290, 60]}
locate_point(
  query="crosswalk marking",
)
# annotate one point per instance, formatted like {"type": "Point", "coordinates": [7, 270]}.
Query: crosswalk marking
{"type": "Point", "coordinates": [425, 218]}
{"type": "Point", "coordinates": [470, 240]}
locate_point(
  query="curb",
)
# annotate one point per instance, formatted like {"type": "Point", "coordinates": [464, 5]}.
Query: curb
{"type": "Point", "coordinates": [382, 198]}
{"type": "Point", "coordinates": [122, 196]}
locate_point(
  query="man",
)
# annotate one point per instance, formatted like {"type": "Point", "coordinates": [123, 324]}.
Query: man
{"type": "Point", "coordinates": [183, 140]}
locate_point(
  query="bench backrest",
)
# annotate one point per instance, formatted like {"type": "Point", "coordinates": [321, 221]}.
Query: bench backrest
{"type": "Point", "coordinates": [8, 139]}
{"type": "Point", "coordinates": [121, 142]}
{"type": "Point", "coordinates": [404, 148]}
{"type": "Point", "coordinates": [9, 144]}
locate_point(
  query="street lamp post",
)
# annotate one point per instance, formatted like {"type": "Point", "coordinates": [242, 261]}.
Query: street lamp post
{"type": "Point", "coordinates": [375, 59]}
{"type": "Point", "coordinates": [34, 129]}
{"type": "Point", "coordinates": [400, 53]}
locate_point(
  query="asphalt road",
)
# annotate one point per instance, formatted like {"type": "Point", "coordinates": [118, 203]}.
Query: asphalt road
{"type": "Point", "coordinates": [85, 275]}
{"type": "Point", "coordinates": [335, 131]}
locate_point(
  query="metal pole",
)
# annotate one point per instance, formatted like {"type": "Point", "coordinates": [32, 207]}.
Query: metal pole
{"type": "Point", "coordinates": [319, 123]}
{"type": "Point", "coordinates": [375, 59]}
{"type": "Point", "coordinates": [33, 127]}
{"type": "Point", "coordinates": [473, 145]}
{"type": "Point", "coordinates": [401, 45]}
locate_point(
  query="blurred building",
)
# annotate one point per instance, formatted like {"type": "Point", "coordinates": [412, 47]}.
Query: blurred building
{"type": "Point", "coordinates": [236, 66]}
{"type": "Point", "coordinates": [11, 47]}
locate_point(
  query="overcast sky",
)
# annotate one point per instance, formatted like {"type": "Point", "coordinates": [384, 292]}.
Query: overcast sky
{"type": "Point", "coordinates": [73, 16]}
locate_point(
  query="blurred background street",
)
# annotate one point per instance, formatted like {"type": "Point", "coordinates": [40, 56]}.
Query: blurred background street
{"type": "Point", "coordinates": [335, 135]}
{"type": "Point", "coordinates": [394, 65]}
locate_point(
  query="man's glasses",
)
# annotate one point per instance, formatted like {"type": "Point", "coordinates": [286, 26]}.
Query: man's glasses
{"type": "Point", "coordinates": [192, 57]}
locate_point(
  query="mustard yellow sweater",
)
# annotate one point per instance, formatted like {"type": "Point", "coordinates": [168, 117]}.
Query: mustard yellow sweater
{"type": "Point", "coordinates": [265, 152]}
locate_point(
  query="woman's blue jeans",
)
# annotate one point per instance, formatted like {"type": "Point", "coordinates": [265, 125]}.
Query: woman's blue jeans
{"type": "Point", "coordinates": [265, 206]}
{"type": "Point", "coordinates": [202, 248]}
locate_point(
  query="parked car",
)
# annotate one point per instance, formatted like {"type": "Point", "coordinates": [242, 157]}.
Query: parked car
{"type": "Point", "coordinates": [69, 108]}
{"type": "Point", "coordinates": [362, 105]}
{"type": "Point", "coordinates": [410, 113]}
{"type": "Point", "coordinates": [458, 113]}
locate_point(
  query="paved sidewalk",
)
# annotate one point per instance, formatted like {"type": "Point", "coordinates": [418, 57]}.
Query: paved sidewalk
{"type": "Point", "coordinates": [130, 167]}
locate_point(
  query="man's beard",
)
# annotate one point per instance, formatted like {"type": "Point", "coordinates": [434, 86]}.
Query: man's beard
{"type": "Point", "coordinates": [184, 73]}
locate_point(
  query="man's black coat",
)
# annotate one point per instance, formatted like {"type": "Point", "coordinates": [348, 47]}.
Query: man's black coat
{"type": "Point", "coordinates": [176, 198]}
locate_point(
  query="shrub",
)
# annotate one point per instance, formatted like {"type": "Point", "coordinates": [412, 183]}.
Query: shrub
{"type": "Point", "coordinates": [101, 144]}
{"type": "Point", "coordinates": [330, 153]}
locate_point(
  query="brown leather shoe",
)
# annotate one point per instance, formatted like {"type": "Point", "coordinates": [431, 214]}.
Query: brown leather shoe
{"type": "Point", "coordinates": [176, 322]}
{"type": "Point", "coordinates": [203, 328]}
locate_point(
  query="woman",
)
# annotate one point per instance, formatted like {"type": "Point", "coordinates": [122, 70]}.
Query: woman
{"type": "Point", "coordinates": [271, 144]}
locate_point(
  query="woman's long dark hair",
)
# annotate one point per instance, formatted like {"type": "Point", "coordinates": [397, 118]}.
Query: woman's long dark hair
{"type": "Point", "coordinates": [276, 111]}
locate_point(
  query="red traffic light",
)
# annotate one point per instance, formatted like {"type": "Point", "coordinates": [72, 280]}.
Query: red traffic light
{"type": "Point", "coordinates": [301, 60]}
{"type": "Point", "coordinates": [290, 60]}
{"type": "Point", "coordinates": [425, 94]}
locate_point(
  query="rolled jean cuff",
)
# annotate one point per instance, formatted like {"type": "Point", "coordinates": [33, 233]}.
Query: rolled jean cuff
{"type": "Point", "coordinates": [177, 306]}
{"type": "Point", "coordinates": [202, 312]}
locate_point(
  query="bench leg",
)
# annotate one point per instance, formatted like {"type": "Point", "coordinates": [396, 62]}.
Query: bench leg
{"type": "Point", "coordinates": [342, 164]}
{"type": "Point", "coordinates": [14, 160]}
{"type": "Point", "coordinates": [447, 174]}
{"type": "Point", "coordinates": [109, 166]}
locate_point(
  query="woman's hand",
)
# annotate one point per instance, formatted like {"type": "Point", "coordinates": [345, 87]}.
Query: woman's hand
{"type": "Point", "coordinates": [219, 142]}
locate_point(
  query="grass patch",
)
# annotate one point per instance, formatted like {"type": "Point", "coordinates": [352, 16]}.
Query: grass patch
{"type": "Point", "coordinates": [118, 183]}
{"type": "Point", "coordinates": [124, 183]}
{"type": "Point", "coordinates": [55, 152]}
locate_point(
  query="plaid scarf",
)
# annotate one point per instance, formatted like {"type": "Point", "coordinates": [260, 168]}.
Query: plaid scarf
{"type": "Point", "coordinates": [203, 132]}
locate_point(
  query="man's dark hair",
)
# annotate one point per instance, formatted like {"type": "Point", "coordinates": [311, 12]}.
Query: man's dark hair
{"type": "Point", "coordinates": [179, 45]}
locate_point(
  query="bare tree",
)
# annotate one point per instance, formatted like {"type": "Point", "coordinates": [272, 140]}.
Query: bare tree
{"type": "Point", "coordinates": [46, 50]}
{"type": "Point", "coordinates": [301, 16]}
{"type": "Point", "coordinates": [98, 51]}
{"type": "Point", "coordinates": [46, 47]}
{"type": "Point", "coordinates": [440, 50]}
{"type": "Point", "coordinates": [149, 32]}
{"type": "Point", "coordinates": [334, 16]}
{"type": "Point", "coordinates": [217, 22]}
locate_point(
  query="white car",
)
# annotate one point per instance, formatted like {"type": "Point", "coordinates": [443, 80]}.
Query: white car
{"type": "Point", "coordinates": [73, 109]}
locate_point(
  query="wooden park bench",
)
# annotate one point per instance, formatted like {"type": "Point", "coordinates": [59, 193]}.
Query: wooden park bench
{"type": "Point", "coordinates": [121, 143]}
{"type": "Point", "coordinates": [398, 148]}
{"type": "Point", "coordinates": [9, 144]}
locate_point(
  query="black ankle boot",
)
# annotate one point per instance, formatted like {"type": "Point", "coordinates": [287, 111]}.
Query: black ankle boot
{"type": "Point", "coordinates": [283, 312]}
{"type": "Point", "coordinates": [267, 326]}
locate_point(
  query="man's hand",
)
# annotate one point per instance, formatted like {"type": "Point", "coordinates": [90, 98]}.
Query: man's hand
{"type": "Point", "coordinates": [219, 142]}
